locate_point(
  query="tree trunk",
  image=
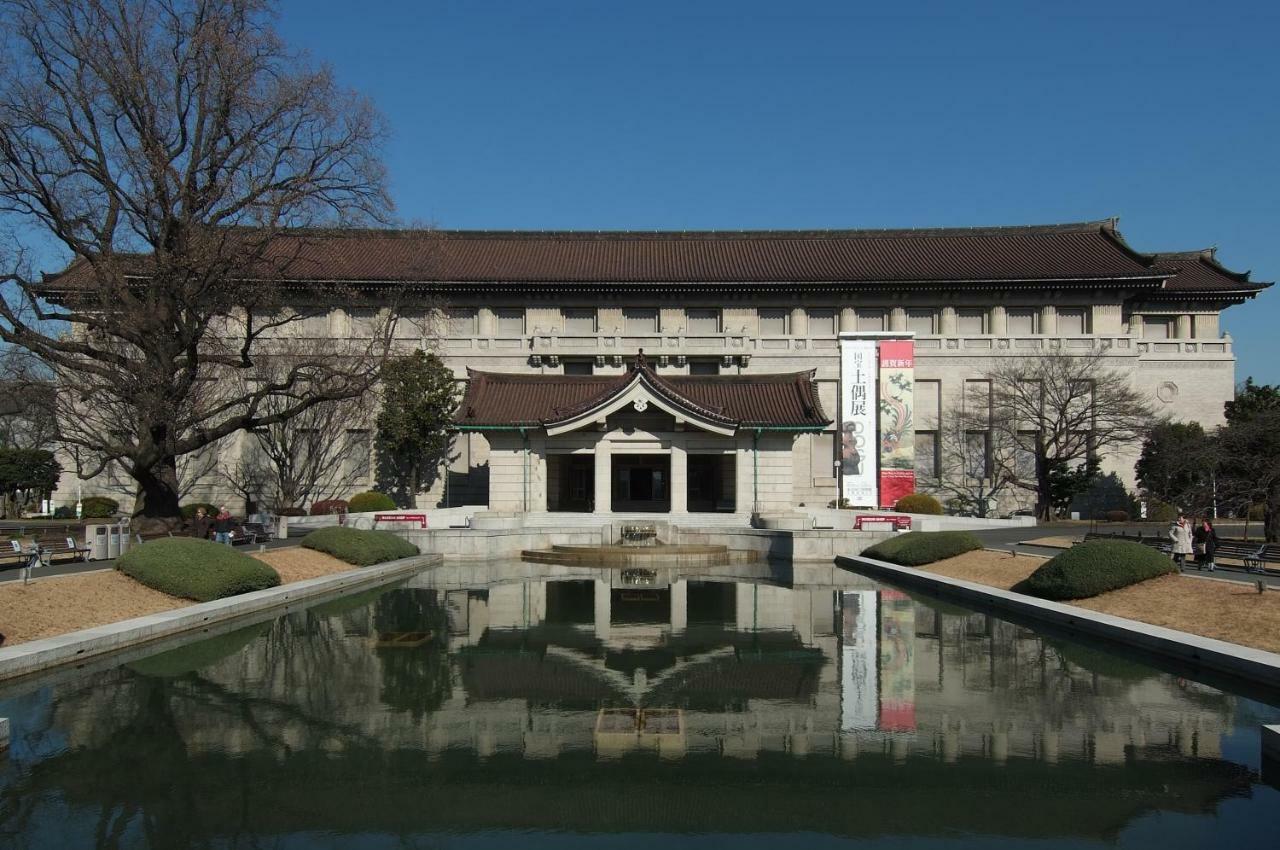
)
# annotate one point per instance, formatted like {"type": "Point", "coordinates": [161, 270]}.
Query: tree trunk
{"type": "Point", "coordinates": [157, 496]}
{"type": "Point", "coordinates": [1271, 515]}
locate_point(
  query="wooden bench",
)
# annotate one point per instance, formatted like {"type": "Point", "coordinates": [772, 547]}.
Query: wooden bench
{"type": "Point", "coordinates": [421, 519]}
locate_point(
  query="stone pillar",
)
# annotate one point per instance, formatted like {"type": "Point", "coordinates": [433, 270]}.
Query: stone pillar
{"type": "Point", "coordinates": [1135, 324]}
{"type": "Point", "coordinates": [679, 606]}
{"type": "Point", "coordinates": [898, 319]}
{"type": "Point", "coordinates": [947, 321]}
{"type": "Point", "coordinates": [848, 320]}
{"type": "Point", "coordinates": [603, 609]}
{"type": "Point", "coordinates": [1049, 320]}
{"type": "Point", "coordinates": [679, 479]}
{"type": "Point", "coordinates": [1184, 326]}
{"type": "Point", "coordinates": [604, 480]}
{"type": "Point", "coordinates": [999, 320]}
{"type": "Point", "coordinates": [799, 322]}
{"type": "Point", "coordinates": [484, 321]}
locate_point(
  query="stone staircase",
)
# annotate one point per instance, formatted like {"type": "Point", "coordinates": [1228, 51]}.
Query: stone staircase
{"type": "Point", "coordinates": [560, 520]}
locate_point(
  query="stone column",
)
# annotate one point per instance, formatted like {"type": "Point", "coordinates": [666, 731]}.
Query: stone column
{"type": "Point", "coordinates": [679, 479]}
{"type": "Point", "coordinates": [1135, 324]}
{"type": "Point", "coordinates": [848, 320]}
{"type": "Point", "coordinates": [947, 321]}
{"type": "Point", "coordinates": [603, 609]}
{"type": "Point", "coordinates": [799, 322]}
{"type": "Point", "coordinates": [1184, 326]}
{"type": "Point", "coordinates": [679, 606]}
{"type": "Point", "coordinates": [484, 321]}
{"type": "Point", "coordinates": [604, 480]}
{"type": "Point", "coordinates": [898, 319]}
{"type": "Point", "coordinates": [1049, 320]}
{"type": "Point", "coordinates": [999, 320]}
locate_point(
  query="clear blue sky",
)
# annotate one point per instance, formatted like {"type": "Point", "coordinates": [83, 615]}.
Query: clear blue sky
{"type": "Point", "coordinates": [657, 115]}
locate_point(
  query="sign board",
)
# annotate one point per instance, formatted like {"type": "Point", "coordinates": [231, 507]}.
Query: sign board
{"type": "Point", "coordinates": [858, 455]}
{"type": "Point", "coordinates": [859, 655]}
{"type": "Point", "coordinates": [897, 420]}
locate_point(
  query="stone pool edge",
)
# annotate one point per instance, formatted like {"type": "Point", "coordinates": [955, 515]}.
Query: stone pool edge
{"type": "Point", "coordinates": [80, 646]}
{"type": "Point", "coordinates": [1255, 665]}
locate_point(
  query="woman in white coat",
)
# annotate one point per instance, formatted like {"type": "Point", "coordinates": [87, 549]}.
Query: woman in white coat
{"type": "Point", "coordinates": [1180, 538]}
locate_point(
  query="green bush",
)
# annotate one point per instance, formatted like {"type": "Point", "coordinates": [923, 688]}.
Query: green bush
{"type": "Point", "coordinates": [923, 547]}
{"type": "Point", "coordinates": [918, 503]}
{"type": "Point", "coordinates": [371, 501]}
{"type": "Point", "coordinates": [64, 512]}
{"type": "Point", "coordinates": [195, 569]}
{"type": "Point", "coordinates": [1158, 511]}
{"type": "Point", "coordinates": [1117, 516]}
{"type": "Point", "coordinates": [1088, 569]}
{"type": "Point", "coordinates": [98, 507]}
{"type": "Point", "coordinates": [362, 548]}
{"type": "Point", "coordinates": [324, 507]}
{"type": "Point", "coordinates": [189, 509]}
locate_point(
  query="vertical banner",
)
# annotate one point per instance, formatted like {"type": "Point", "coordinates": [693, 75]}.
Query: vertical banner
{"type": "Point", "coordinates": [859, 660]}
{"type": "Point", "coordinates": [897, 662]}
{"type": "Point", "coordinates": [897, 420]}
{"type": "Point", "coordinates": [858, 454]}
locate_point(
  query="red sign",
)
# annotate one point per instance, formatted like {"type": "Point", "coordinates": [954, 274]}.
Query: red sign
{"type": "Point", "coordinates": [897, 420]}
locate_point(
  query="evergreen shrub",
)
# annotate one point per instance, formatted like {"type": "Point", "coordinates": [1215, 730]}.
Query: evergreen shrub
{"type": "Point", "coordinates": [329, 506]}
{"type": "Point", "coordinates": [918, 503]}
{"type": "Point", "coordinates": [916, 548]}
{"type": "Point", "coordinates": [1097, 566]}
{"type": "Point", "coordinates": [359, 547]}
{"type": "Point", "coordinates": [98, 507]}
{"type": "Point", "coordinates": [195, 569]}
{"type": "Point", "coordinates": [371, 501]}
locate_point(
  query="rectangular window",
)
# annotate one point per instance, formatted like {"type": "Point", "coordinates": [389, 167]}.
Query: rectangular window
{"type": "Point", "coordinates": [579, 320]}
{"type": "Point", "coordinates": [704, 367]}
{"type": "Point", "coordinates": [922, 321]}
{"type": "Point", "coordinates": [311, 323]}
{"type": "Point", "coordinates": [355, 460]}
{"type": "Point", "coordinates": [463, 321]}
{"type": "Point", "coordinates": [971, 322]}
{"type": "Point", "coordinates": [1072, 321]}
{"type": "Point", "coordinates": [927, 454]}
{"type": "Point", "coordinates": [579, 367]}
{"type": "Point", "coordinates": [977, 454]}
{"type": "Point", "coordinates": [702, 321]}
{"type": "Point", "coordinates": [1157, 327]}
{"type": "Point", "coordinates": [872, 320]}
{"type": "Point", "coordinates": [364, 323]}
{"type": "Point", "coordinates": [822, 322]}
{"type": "Point", "coordinates": [1023, 321]}
{"type": "Point", "coordinates": [640, 320]}
{"type": "Point", "coordinates": [977, 400]}
{"type": "Point", "coordinates": [509, 321]}
{"type": "Point", "coordinates": [775, 322]}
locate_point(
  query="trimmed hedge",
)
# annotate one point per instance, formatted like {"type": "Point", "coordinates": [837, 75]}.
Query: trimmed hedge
{"type": "Point", "coordinates": [918, 503]}
{"type": "Point", "coordinates": [329, 506]}
{"type": "Point", "coordinates": [1117, 516]}
{"type": "Point", "coordinates": [98, 507]}
{"type": "Point", "coordinates": [1088, 569]}
{"type": "Point", "coordinates": [371, 501]}
{"type": "Point", "coordinates": [195, 569]}
{"type": "Point", "coordinates": [923, 547]}
{"type": "Point", "coordinates": [359, 547]}
{"type": "Point", "coordinates": [189, 509]}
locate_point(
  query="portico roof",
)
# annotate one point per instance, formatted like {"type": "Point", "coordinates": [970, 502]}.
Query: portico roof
{"type": "Point", "coordinates": [720, 403]}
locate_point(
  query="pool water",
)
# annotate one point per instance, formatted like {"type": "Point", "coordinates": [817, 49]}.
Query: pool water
{"type": "Point", "coordinates": [523, 705]}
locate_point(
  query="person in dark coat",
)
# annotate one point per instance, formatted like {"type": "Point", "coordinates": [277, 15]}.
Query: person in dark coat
{"type": "Point", "coordinates": [201, 525]}
{"type": "Point", "coordinates": [1205, 540]}
{"type": "Point", "coordinates": [223, 525]}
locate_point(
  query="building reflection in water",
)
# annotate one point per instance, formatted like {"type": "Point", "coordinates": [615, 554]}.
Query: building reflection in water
{"type": "Point", "coordinates": [743, 665]}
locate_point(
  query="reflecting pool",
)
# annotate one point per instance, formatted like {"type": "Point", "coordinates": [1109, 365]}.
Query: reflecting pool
{"type": "Point", "coordinates": [522, 705]}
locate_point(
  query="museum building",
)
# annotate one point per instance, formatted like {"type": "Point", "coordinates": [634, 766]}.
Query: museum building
{"type": "Point", "coordinates": [673, 372]}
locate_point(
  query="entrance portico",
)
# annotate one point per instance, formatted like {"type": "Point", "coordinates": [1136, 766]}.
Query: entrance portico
{"type": "Point", "coordinates": [640, 442]}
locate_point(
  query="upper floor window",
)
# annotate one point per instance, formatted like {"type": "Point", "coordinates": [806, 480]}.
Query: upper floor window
{"type": "Point", "coordinates": [463, 321]}
{"type": "Point", "coordinates": [971, 321]}
{"type": "Point", "coordinates": [1157, 327]}
{"type": "Point", "coordinates": [509, 321]}
{"type": "Point", "coordinates": [640, 320]}
{"type": "Point", "coordinates": [578, 367]}
{"type": "Point", "coordinates": [702, 320]}
{"type": "Point", "coordinates": [704, 367]}
{"type": "Point", "coordinates": [873, 320]}
{"type": "Point", "coordinates": [1023, 321]}
{"type": "Point", "coordinates": [775, 321]}
{"type": "Point", "coordinates": [579, 320]}
{"type": "Point", "coordinates": [822, 322]}
{"type": "Point", "coordinates": [1072, 321]}
{"type": "Point", "coordinates": [922, 320]}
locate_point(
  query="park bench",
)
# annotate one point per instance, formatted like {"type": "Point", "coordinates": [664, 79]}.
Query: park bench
{"type": "Point", "coordinates": [1254, 557]}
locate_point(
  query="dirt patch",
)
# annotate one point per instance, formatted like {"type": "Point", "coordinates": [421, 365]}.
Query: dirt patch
{"type": "Point", "coordinates": [1055, 542]}
{"type": "Point", "coordinates": [1225, 610]}
{"type": "Point", "coordinates": [58, 604]}
{"type": "Point", "coordinates": [294, 563]}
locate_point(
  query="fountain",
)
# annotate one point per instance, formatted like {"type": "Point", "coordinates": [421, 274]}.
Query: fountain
{"type": "Point", "coordinates": [638, 546]}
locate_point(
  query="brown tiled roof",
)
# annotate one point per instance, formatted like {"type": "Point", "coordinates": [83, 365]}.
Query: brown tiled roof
{"type": "Point", "coordinates": [1200, 271]}
{"type": "Point", "coordinates": [743, 401]}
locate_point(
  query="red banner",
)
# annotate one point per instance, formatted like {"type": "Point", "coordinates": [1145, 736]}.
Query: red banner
{"type": "Point", "coordinates": [897, 420]}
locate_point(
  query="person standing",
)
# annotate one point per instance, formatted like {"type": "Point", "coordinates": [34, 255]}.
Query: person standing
{"type": "Point", "coordinates": [201, 525]}
{"type": "Point", "coordinates": [1205, 541]}
{"type": "Point", "coordinates": [222, 525]}
{"type": "Point", "coordinates": [1180, 540]}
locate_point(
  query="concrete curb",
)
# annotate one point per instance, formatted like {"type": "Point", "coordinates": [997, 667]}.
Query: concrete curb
{"type": "Point", "coordinates": [1254, 665]}
{"type": "Point", "coordinates": [77, 647]}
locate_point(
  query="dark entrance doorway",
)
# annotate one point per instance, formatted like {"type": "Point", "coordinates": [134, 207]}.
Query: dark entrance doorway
{"type": "Point", "coordinates": [641, 483]}
{"type": "Point", "coordinates": [712, 483]}
{"type": "Point", "coordinates": [571, 483]}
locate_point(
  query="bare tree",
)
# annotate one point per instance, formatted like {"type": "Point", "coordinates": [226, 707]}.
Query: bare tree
{"type": "Point", "coordinates": [1065, 413]}
{"type": "Point", "coordinates": [977, 464]}
{"type": "Point", "coordinates": [167, 145]}
{"type": "Point", "coordinates": [26, 403]}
